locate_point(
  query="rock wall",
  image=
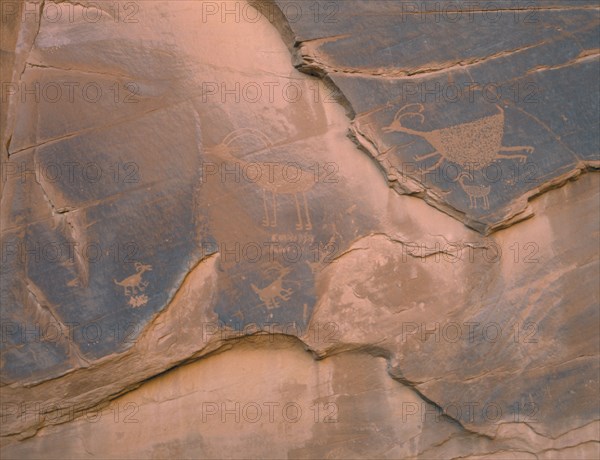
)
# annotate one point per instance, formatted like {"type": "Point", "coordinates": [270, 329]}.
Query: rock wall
{"type": "Point", "coordinates": [275, 229]}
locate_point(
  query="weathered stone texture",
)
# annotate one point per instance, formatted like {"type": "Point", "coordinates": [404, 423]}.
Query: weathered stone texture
{"type": "Point", "coordinates": [285, 210]}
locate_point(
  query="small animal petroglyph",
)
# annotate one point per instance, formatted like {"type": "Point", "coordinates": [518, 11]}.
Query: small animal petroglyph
{"type": "Point", "coordinates": [474, 191]}
{"type": "Point", "coordinates": [474, 145]}
{"type": "Point", "coordinates": [134, 286]}
{"type": "Point", "coordinates": [274, 292]}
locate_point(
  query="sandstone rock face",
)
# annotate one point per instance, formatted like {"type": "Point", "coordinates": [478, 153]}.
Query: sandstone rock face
{"type": "Point", "coordinates": [359, 229]}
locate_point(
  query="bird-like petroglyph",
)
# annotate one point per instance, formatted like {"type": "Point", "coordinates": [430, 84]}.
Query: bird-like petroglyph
{"type": "Point", "coordinates": [134, 286]}
{"type": "Point", "coordinates": [272, 294]}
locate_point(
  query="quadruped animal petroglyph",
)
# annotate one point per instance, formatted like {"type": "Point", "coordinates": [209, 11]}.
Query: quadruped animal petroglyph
{"type": "Point", "coordinates": [473, 145]}
{"type": "Point", "coordinates": [272, 178]}
{"type": "Point", "coordinates": [474, 191]}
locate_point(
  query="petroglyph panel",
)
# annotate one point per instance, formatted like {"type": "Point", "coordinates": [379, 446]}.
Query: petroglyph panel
{"type": "Point", "coordinates": [299, 229]}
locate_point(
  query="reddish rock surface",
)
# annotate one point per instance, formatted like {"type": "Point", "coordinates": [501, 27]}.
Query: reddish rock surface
{"type": "Point", "coordinates": [275, 230]}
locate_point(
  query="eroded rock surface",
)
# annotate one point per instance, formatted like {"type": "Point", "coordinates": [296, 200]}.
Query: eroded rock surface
{"type": "Point", "coordinates": [191, 226]}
